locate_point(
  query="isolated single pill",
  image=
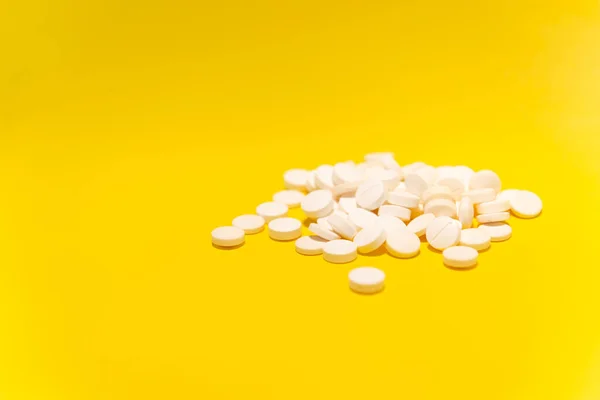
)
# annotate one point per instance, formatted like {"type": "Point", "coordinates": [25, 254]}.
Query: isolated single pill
{"type": "Point", "coordinates": [443, 232]}
{"type": "Point", "coordinates": [498, 231]}
{"type": "Point", "coordinates": [403, 243]}
{"type": "Point", "coordinates": [310, 245]}
{"type": "Point", "coordinates": [419, 225]}
{"type": "Point", "coordinates": [285, 229]}
{"type": "Point", "coordinates": [322, 232]}
{"type": "Point", "coordinates": [485, 179]}
{"type": "Point", "coordinates": [403, 199]}
{"type": "Point", "coordinates": [466, 212]}
{"type": "Point", "coordinates": [390, 224]}
{"type": "Point", "coordinates": [476, 238]}
{"type": "Point", "coordinates": [227, 236]}
{"type": "Point", "coordinates": [526, 204]}
{"type": "Point", "coordinates": [249, 223]}
{"type": "Point", "coordinates": [339, 251]}
{"type": "Point", "coordinates": [366, 280]}
{"type": "Point", "coordinates": [395, 211]}
{"type": "Point", "coordinates": [291, 198]}
{"type": "Point", "coordinates": [317, 204]}
{"type": "Point", "coordinates": [494, 206]}
{"type": "Point", "coordinates": [370, 238]}
{"type": "Point", "coordinates": [342, 226]}
{"type": "Point", "coordinates": [271, 210]}
{"type": "Point", "coordinates": [296, 178]}
{"type": "Point", "coordinates": [370, 194]}
{"type": "Point", "coordinates": [460, 257]}
{"type": "Point", "coordinates": [493, 217]}
{"type": "Point", "coordinates": [480, 195]}
{"type": "Point", "coordinates": [441, 208]}
{"type": "Point", "coordinates": [362, 218]}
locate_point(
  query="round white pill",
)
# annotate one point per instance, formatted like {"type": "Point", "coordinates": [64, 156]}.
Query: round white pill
{"type": "Point", "coordinates": [441, 208]}
{"type": "Point", "coordinates": [493, 206]}
{"type": "Point", "coordinates": [493, 217]}
{"type": "Point", "coordinates": [296, 178]}
{"type": "Point", "coordinates": [377, 156]}
{"type": "Point", "coordinates": [271, 210]}
{"type": "Point", "coordinates": [443, 232]}
{"type": "Point", "coordinates": [291, 198]}
{"type": "Point", "coordinates": [507, 194]}
{"type": "Point", "coordinates": [347, 203]}
{"type": "Point", "coordinates": [227, 236]}
{"type": "Point", "coordinates": [455, 185]}
{"type": "Point", "coordinates": [362, 218]}
{"type": "Point", "coordinates": [419, 225]}
{"type": "Point", "coordinates": [370, 194]}
{"type": "Point", "coordinates": [498, 231]}
{"type": "Point", "coordinates": [526, 204]}
{"type": "Point", "coordinates": [366, 280]}
{"type": "Point", "coordinates": [403, 199]}
{"type": "Point", "coordinates": [480, 195]}
{"type": "Point", "coordinates": [317, 204]}
{"type": "Point", "coordinates": [485, 179]}
{"type": "Point", "coordinates": [437, 192]}
{"type": "Point", "coordinates": [466, 213]}
{"type": "Point", "coordinates": [342, 226]}
{"type": "Point", "coordinates": [388, 177]}
{"type": "Point", "coordinates": [322, 232]}
{"type": "Point", "coordinates": [323, 222]}
{"type": "Point", "coordinates": [339, 251]}
{"type": "Point", "coordinates": [311, 185]}
{"type": "Point", "coordinates": [370, 238]}
{"type": "Point", "coordinates": [460, 257]}
{"type": "Point", "coordinates": [395, 211]}
{"type": "Point", "coordinates": [310, 245]}
{"type": "Point", "coordinates": [475, 238]}
{"type": "Point", "coordinates": [412, 168]}
{"type": "Point", "coordinates": [249, 223]}
{"type": "Point", "coordinates": [428, 173]}
{"type": "Point", "coordinates": [324, 177]}
{"type": "Point", "coordinates": [345, 172]}
{"type": "Point", "coordinates": [345, 188]}
{"type": "Point", "coordinates": [403, 243]}
{"type": "Point", "coordinates": [464, 173]}
{"type": "Point", "coordinates": [390, 224]}
{"type": "Point", "coordinates": [415, 184]}
{"type": "Point", "coordinates": [285, 229]}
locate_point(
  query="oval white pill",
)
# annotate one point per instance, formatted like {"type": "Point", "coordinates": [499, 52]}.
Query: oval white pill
{"type": "Point", "coordinates": [493, 217]}
{"type": "Point", "coordinates": [362, 218]}
{"type": "Point", "coordinates": [370, 238]}
{"type": "Point", "coordinates": [419, 225]}
{"type": "Point", "coordinates": [475, 238]}
{"type": "Point", "coordinates": [285, 229]}
{"type": "Point", "coordinates": [339, 251]}
{"type": "Point", "coordinates": [324, 177]}
{"type": "Point", "coordinates": [310, 245]}
{"type": "Point", "coordinates": [480, 195]}
{"type": "Point", "coordinates": [342, 226]}
{"type": "Point", "coordinates": [322, 232]}
{"type": "Point", "coordinates": [271, 210]}
{"type": "Point", "coordinates": [485, 179]}
{"type": "Point", "coordinates": [227, 236]}
{"type": "Point", "coordinates": [366, 280]}
{"type": "Point", "coordinates": [249, 223]}
{"type": "Point", "coordinates": [443, 232]}
{"type": "Point", "coordinates": [466, 213]}
{"type": "Point", "coordinates": [395, 211]}
{"type": "Point", "coordinates": [455, 185]}
{"type": "Point", "coordinates": [460, 257]}
{"type": "Point", "coordinates": [403, 243]}
{"type": "Point", "coordinates": [291, 198]}
{"type": "Point", "coordinates": [415, 184]}
{"type": "Point", "coordinates": [498, 231]}
{"type": "Point", "coordinates": [441, 208]}
{"type": "Point", "coordinates": [317, 204]}
{"type": "Point", "coordinates": [404, 199]}
{"type": "Point", "coordinates": [493, 206]}
{"type": "Point", "coordinates": [347, 203]}
{"type": "Point", "coordinates": [437, 192]}
{"type": "Point", "coordinates": [526, 204]}
{"type": "Point", "coordinates": [296, 178]}
{"type": "Point", "coordinates": [370, 195]}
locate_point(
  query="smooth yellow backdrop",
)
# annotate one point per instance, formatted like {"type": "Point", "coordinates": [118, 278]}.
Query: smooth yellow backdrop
{"type": "Point", "coordinates": [130, 129]}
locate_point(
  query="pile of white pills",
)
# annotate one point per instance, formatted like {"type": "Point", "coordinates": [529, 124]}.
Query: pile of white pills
{"type": "Point", "coordinates": [377, 205]}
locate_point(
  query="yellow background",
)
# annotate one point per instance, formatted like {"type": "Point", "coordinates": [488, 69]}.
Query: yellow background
{"type": "Point", "coordinates": [130, 129]}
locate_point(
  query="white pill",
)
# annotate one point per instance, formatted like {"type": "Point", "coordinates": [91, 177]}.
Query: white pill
{"type": "Point", "coordinates": [498, 231]}
{"type": "Point", "coordinates": [404, 199]}
{"type": "Point", "coordinates": [370, 238]}
{"type": "Point", "coordinates": [480, 195]}
{"type": "Point", "coordinates": [415, 184]}
{"type": "Point", "coordinates": [310, 245]}
{"type": "Point", "coordinates": [271, 210]}
{"type": "Point", "coordinates": [493, 217]}
{"type": "Point", "coordinates": [376, 157]}
{"type": "Point", "coordinates": [366, 280]}
{"type": "Point", "coordinates": [342, 226]}
{"type": "Point", "coordinates": [526, 204]}
{"type": "Point", "coordinates": [370, 195]}
{"type": "Point", "coordinates": [475, 238]}
{"type": "Point", "coordinates": [339, 251]}
{"type": "Point", "coordinates": [311, 185]}
{"type": "Point", "coordinates": [296, 178]}
{"type": "Point", "coordinates": [507, 194]}
{"type": "Point", "coordinates": [390, 224]}
{"type": "Point", "coordinates": [445, 172]}
{"type": "Point", "coordinates": [227, 236]}
{"type": "Point", "coordinates": [403, 243]}
{"type": "Point", "coordinates": [323, 222]}
{"type": "Point", "coordinates": [388, 177]}
{"type": "Point", "coordinates": [428, 173]}
{"type": "Point", "coordinates": [345, 172]}
{"type": "Point", "coordinates": [460, 257]}
{"type": "Point", "coordinates": [485, 179]}
{"type": "Point", "coordinates": [285, 229]}
{"type": "Point", "coordinates": [493, 206]}
{"type": "Point", "coordinates": [437, 192]}
{"type": "Point", "coordinates": [324, 177]}
{"type": "Point", "coordinates": [348, 188]}
{"type": "Point", "coordinates": [322, 232]}
{"type": "Point", "coordinates": [347, 203]}
{"type": "Point", "coordinates": [456, 186]}
{"type": "Point", "coordinates": [412, 168]}
{"type": "Point", "coordinates": [317, 204]}
{"type": "Point", "coordinates": [395, 211]}
{"type": "Point", "coordinates": [466, 213]}
{"type": "Point", "coordinates": [291, 198]}
{"type": "Point", "coordinates": [464, 173]}
{"type": "Point", "coordinates": [443, 232]}
{"type": "Point", "coordinates": [362, 218]}
{"type": "Point", "coordinates": [419, 225]}
{"type": "Point", "coordinates": [441, 208]}
{"type": "Point", "coordinates": [401, 187]}
{"type": "Point", "coordinates": [249, 223]}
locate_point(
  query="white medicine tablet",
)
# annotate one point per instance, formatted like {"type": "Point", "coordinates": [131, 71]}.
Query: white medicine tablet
{"type": "Point", "coordinates": [460, 257]}
{"type": "Point", "coordinates": [345, 172]}
{"type": "Point", "coordinates": [401, 187]}
{"type": "Point", "coordinates": [390, 224]}
{"type": "Point", "coordinates": [388, 177]}
{"type": "Point", "coordinates": [403, 243]}
{"type": "Point", "coordinates": [291, 198]}
{"type": "Point", "coordinates": [455, 185]}
{"type": "Point", "coordinates": [249, 223]}
{"type": "Point", "coordinates": [310, 245]}
{"type": "Point", "coordinates": [507, 194]}
{"type": "Point", "coordinates": [366, 280]}
{"type": "Point", "coordinates": [227, 236]}
{"type": "Point", "coordinates": [347, 203]}
{"type": "Point", "coordinates": [362, 218]}
{"type": "Point", "coordinates": [317, 204]}
{"type": "Point", "coordinates": [476, 238]}
{"type": "Point", "coordinates": [493, 217]}
{"type": "Point", "coordinates": [370, 238]}
{"type": "Point", "coordinates": [485, 179]}
{"type": "Point", "coordinates": [285, 229]}
{"type": "Point", "coordinates": [311, 185]}
{"type": "Point", "coordinates": [296, 178]}
{"type": "Point", "coordinates": [464, 173]}
{"type": "Point", "coordinates": [493, 206]}
{"type": "Point", "coordinates": [345, 188]}
{"type": "Point", "coordinates": [323, 222]}
{"type": "Point", "coordinates": [437, 192]}
{"type": "Point", "coordinates": [428, 173]}
{"type": "Point", "coordinates": [322, 232]}
{"type": "Point", "coordinates": [466, 213]}
{"type": "Point", "coordinates": [498, 231]}
{"type": "Point", "coordinates": [342, 226]}
{"type": "Point", "coordinates": [404, 199]}
{"type": "Point", "coordinates": [526, 204]}
{"type": "Point", "coordinates": [419, 225]}
{"type": "Point", "coordinates": [480, 195]}
{"type": "Point", "coordinates": [370, 195]}
{"type": "Point", "coordinates": [324, 177]}
{"type": "Point", "coordinates": [395, 211]}
{"type": "Point", "coordinates": [271, 210]}
{"type": "Point", "coordinates": [443, 232]}
{"type": "Point", "coordinates": [339, 251]}
{"type": "Point", "coordinates": [415, 184]}
{"type": "Point", "coordinates": [441, 208]}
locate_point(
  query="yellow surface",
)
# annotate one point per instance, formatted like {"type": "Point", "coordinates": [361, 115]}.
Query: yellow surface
{"type": "Point", "coordinates": [130, 129]}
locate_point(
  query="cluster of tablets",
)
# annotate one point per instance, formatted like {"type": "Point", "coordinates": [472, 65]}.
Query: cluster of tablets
{"type": "Point", "coordinates": [360, 208]}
